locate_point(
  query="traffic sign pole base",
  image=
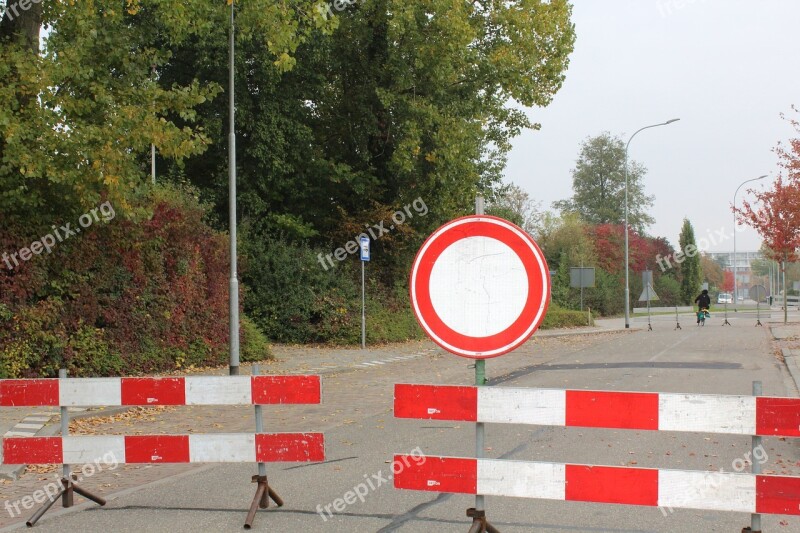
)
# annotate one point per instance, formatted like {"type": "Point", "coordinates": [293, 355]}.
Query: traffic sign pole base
{"type": "Point", "coordinates": [479, 523]}
{"type": "Point", "coordinates": [726, 323]}
{"type": "Point", "coordinates": [263, 494]}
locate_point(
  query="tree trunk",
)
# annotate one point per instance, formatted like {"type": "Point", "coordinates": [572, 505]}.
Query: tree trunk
{"type": "Point", "coordinates": [22, 24]}
{"type": "Point", "coordinates": [785, 292]}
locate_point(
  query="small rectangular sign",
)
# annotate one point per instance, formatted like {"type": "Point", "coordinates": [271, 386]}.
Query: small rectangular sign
{"type": "Point", "coordinates": [364, 248]}
{"type": "Point", "coordinates": [581, 277]}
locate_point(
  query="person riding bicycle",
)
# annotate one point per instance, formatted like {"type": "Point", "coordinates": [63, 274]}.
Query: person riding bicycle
{"type": "Point", "coordinates": [703, 302]}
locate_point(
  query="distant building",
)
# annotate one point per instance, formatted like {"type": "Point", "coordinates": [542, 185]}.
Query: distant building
{"type": "Point", "coordinates": [744, 270]}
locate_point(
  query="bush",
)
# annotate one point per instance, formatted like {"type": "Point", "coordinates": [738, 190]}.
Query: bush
{"type": "Point", "coordinates": [292, 298]}
{"type": "Point", "coordinates": [557, 317]}
{"type": "Point", "coordinates": [254, 344]}
{"type": "Point", "coordinates": [145, 293]}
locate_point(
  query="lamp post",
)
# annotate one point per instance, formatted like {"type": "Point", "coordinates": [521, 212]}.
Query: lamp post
{"type": "Point", "coordinates": [735, 281]}
{"type": "Point", "coordinates": [233, 310]}
{"type": "Point", "coordinates": [627, 261]}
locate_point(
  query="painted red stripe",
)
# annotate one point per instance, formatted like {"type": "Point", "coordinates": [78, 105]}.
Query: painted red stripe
{"type": "Point", "coordinates": [32, 450]}
{"type": "Point", "coordinates": [615, 410]}
{"type": "Point", "coordinates": [778, 495]}
{"type": "Point", "coordinates": [28, 392]}
{"type": "Point", "coordinates": [153, 391]}
{"type": "Point", "coordinates": [610, 484]}
{"type": "Point", "coordinates": [432, 402]}
{"type": "Point", "coordinates": [290, 447]}
{"type": "Point", "coordinates": [268, 390]}
{"type": "Point", "coordinates": [778, 416]}
{"type": "Point", "coordinates": [156, 449]}
{"type": "Point", "coordinates": [436, 474]}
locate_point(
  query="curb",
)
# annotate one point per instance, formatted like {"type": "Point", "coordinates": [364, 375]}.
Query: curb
{"type": "Point", "coordinates": [595, 331]}
{"type": "Point", "coordinates": [791, 359]}
{"type": "Point", "coordinates": [12, 472]}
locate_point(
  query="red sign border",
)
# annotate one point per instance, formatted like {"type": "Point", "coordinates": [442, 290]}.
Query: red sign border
{"type": "Point", "coordinates": [522, 329]}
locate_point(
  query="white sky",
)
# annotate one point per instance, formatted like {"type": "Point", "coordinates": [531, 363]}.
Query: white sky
{"type": "Point", "coordinates": [726, 68]}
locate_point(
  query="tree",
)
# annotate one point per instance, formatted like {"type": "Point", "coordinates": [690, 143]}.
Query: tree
{"type": "Point", "coordinates": [690, 270]}
{"type": "Point", "coordinates": [598, 184]}
{"type": "Point", "coordinates": [775, 215]}
{"type": "Point", "coordinates": [403, 100]}
{"type": "Point", "coordinates": [712, 272]}
{"type": "Point", "coordinates": [514, 204]}
{"type": "Point", "coordinates": [77, 117]}
{"type": "Point", "coordinates": [727, 283]}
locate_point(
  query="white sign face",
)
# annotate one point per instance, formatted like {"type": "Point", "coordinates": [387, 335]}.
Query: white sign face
{"type": "Point", "coordinates": [492, 279]}
{"type": "Point", "coordinates": [364, 241]}
{"type": "Point", "coordinates": [480, 286]}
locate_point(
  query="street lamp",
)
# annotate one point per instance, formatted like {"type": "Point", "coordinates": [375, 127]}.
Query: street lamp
{"type": "Point", "coordinates": [233, 289]}
{"type": "Point", "coordinates": [627, 281]}
{"type": "Point", "coordinates": [735, 281]}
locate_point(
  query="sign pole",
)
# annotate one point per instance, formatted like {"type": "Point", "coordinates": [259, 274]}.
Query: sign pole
{"type": "Point", "coordinates": [363, 310]}
{"type": "Point", "coordinates": [480, 380]}
{"type": "Point", "coordinates": [365, 255]}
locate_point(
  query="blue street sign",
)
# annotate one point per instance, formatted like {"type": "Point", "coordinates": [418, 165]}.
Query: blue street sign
{"type": "Point", "coordinates": [364, 248]}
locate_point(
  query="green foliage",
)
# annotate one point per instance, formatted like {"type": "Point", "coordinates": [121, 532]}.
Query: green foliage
{"type": "Point", "coordinates": [254, 344]}
{"type": "Point", "coordinates": [557, 317]}
{"type": "Point", "coordinates": [598, 184]}
{"type": "Point", "coordinates": [88, 354]}
{"type": "Point", "coordinates": [669, 290]}
{"type": "Point", "coordinates": [690, 271]}
{"type": "Point", "coordinates": [292, 297]}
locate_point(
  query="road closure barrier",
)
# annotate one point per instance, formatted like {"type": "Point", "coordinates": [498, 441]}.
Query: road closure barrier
{"type": "Point", "coordinates": [706, 490]}
{"type": "Point", "coordinates": [257, 447]}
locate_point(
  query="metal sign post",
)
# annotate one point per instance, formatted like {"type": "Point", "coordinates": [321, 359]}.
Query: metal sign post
{"type": "Point", "coordinates": [509, 268]}
{"type": "Point", "coordinates": [581, 277]}
{"type": "Point", "coordinates": [364, 242]}
{"type": "Point", "coordinates": [648, 294]}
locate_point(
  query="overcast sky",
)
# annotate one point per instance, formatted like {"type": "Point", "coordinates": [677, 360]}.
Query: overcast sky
{"type": "Point", "coordinates": [727, 69]}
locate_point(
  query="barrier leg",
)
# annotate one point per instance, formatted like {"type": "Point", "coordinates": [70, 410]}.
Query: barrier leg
{"type": "Point", "coordinates": [68, 487]}
{"type": "Point", "coordinates": [479, 523]}
{"type": "Point", "coordinates": [38, 514]}
{"type": "Point", "coordinates": [86, 494]}
{"type": "Point", "coordinates": [261, 499]}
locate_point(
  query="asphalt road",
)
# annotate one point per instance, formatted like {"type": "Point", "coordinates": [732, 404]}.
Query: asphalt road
{"type": "Point", "coordinates": [362, 435]}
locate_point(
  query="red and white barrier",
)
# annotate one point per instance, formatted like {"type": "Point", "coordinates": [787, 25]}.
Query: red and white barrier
{"type": "Point", "coordinates": [739, 415]}
{"type": "Point", "coordinates": [190, 390]}
{"type": "Point", "coordinates": [199, 448]}
{"type": "Point", "coordinates": [715, 491]}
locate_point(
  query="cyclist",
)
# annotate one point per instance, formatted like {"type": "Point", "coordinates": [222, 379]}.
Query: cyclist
{"type": "Point", "coordinates": [703, 302]}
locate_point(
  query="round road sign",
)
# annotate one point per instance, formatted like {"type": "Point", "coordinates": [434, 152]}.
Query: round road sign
{"type": "Point", "coordinates": [479, 286]}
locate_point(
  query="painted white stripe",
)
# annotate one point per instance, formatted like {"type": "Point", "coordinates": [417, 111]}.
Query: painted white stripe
{"type": "Point", "coordinates": [19, 433]}
{"type": "Point", "coordinates": [521, 479]}
{"type": "Point", "coordinates": [522, 406]}
{"type": "Point", "coordinates": [106, 449]}
{"type": "Point", "coordinates": [379, 362]}
{"type": "Point", "coordinates": [707, 490]}
{"type": "Point", "coordinates": [28, 426]}
{"type": "Point", "coordinates": [216, 390]}
{"type": "Point", "coordinates": [368, 364]}
{"type": "Point", "coordinates": [222, 448]}
{"type": "Point", "coordinates": [40, 419]}
{"type": "Point", "coordinates": [89, 391]}
{"type": "Point", "coordinates": [707, 414]}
